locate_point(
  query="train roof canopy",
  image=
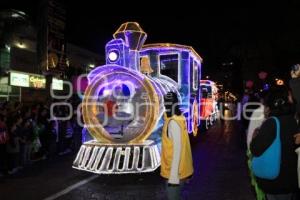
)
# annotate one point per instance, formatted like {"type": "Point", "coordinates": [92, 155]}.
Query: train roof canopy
{"type": "Point", "coordinates": [172, 46]}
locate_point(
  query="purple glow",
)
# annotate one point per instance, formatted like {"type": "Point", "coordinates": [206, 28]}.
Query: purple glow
{"type": "Point", "coordinates": [79, 85]}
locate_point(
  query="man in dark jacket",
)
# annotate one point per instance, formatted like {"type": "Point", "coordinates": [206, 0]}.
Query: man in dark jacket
{"type": "Point", "coordinates": [295, 86]}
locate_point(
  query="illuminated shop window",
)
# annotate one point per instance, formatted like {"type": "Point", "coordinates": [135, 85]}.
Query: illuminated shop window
{"type": "Point", "coordinates": [169, 66]}
{"type": "Point", "coordinates": [4, 59]}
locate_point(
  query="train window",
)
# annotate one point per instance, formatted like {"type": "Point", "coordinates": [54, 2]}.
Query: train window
{"type": "Point", "coordinates": [169, 66]}
{"type": "Point", "coordinates": [195, 75]}
{"type": "Point", "coordinates": [206, 92]}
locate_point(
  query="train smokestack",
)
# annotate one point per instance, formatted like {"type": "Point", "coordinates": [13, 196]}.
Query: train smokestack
{"type": "Point", "coordinates": [132, 34]}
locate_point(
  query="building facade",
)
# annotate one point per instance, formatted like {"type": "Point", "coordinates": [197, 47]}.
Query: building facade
{"type": "Point", "coordinates": [18, 52]}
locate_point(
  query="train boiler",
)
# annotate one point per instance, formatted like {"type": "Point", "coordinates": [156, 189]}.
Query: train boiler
{"type": "Point", "coordinates": [122, 106]}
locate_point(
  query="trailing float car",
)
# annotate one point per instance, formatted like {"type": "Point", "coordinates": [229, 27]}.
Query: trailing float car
{"type": "Point", "coordinates": [209, 103]}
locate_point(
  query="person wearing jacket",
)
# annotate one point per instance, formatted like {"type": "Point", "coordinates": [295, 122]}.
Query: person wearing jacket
{"type": "Point", "coordinates": [257, 118]}
{"type": "Point", "coordinates": [285, 185]}
{"type": "Point", "coordinates": [295, 87]}
{"type": "Point", "coordinates": [176, 158]}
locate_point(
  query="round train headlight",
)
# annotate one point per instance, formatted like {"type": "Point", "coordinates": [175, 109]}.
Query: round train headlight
{"type": "Point", "coordinates": [113, 55]}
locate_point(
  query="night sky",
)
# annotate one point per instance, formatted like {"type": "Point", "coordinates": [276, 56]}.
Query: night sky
{"type": "Point", "coordinates": [264, 37]}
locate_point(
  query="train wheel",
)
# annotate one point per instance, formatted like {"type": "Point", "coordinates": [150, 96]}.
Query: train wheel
{"type": "Point", "coordinates": [206, 124]}
{"type": "Point", "coordinates": [211, 120]}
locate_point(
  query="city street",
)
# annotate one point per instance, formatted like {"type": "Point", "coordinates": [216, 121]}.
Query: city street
{"type": "Point", "coordinates": [220, 173]}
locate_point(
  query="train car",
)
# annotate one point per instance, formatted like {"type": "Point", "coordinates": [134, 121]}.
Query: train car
{"type": "Point", "coordinates": [208, 103]}
{"type": "Point", "coordinates": [123, 105]}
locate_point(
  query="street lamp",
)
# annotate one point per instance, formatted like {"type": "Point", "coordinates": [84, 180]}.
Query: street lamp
{"type": "Point", "coordinates": [21, 45]}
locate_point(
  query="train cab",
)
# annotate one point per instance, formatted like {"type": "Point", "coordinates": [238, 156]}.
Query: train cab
{"type": "Point", "coordinates": [178, 67]}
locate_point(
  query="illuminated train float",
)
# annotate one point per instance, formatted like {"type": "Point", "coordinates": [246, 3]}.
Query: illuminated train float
{"type": "Point", "coordinates": [123, 106]}
{"type": "Point", "coordinates": [208, 103]}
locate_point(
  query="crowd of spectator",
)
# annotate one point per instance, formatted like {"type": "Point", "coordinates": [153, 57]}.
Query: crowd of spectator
{"type": "Point", "coordinates": [29, 134]}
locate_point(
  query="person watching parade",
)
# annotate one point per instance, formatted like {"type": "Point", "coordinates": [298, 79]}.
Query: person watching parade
{"type": "Point", "coordinates": [295, 87]}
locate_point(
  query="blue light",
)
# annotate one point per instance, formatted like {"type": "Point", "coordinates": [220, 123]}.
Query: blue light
{"type": "Point", "coordinates": [266, 86]}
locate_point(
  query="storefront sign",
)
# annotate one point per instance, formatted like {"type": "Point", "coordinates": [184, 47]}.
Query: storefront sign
{"type": "Point", "coordinates": [37, 81]}
{"type": "Point", "coordinates": [57, 84]}
{"type": "Point", "coordinates": [27, 80]}
{"type": "Point", "coordinates": [19, 79]}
